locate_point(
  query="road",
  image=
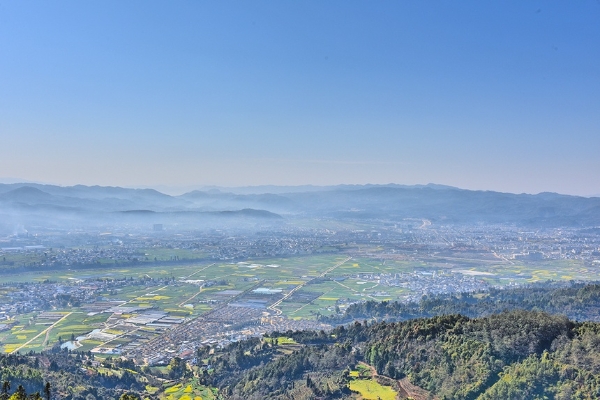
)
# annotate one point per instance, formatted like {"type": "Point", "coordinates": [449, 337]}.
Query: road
{"type": "Point", "coordinates": [41, 333]}
{"type": "Point", "coordinates": [199, 290]}
{"type": "Point", "coordinates": [273, 307]}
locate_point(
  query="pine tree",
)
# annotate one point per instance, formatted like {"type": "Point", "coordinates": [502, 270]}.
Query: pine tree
{"type": "Point", "coordinates": [47, 390]}
{"type": "Point", "coordinates": [20, 394]}
{"type": "Point", "coordinates": [5, 389]}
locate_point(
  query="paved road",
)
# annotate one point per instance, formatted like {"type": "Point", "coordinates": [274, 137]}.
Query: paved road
{"type": "Point", "coordinates": [273, 307]}
{"type": "Point", "coordinates": [41, 333]}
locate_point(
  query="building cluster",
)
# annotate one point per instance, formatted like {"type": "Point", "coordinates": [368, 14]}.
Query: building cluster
{"type": "Point", "coordinates": [22, 298]}
{"type": "Point", "coordinates": [427, 282]}
{"type": "Point", "coordinates": [445, 260]}
{"type": "Point", "coordinates": [217, 328]}
{"type": "Point", "coordinates": [412, 239]}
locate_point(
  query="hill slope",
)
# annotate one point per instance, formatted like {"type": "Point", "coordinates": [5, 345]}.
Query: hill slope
{"type": "Point", "coordinates": [512, 355]}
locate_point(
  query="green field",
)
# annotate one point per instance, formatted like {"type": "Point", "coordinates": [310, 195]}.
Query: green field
{"type": "Point", "coordinates": [365, 384]}
{"type": "Point", "coordinates": [319, 289]}
{"type": "Point", "coordinates": [189, 390]}
{"type": "Point", "coordinates": [371, 389]}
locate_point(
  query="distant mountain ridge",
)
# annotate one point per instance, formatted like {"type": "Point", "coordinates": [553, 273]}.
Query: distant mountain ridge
{"type": "Point", "coordinates": [35, 203]}
{"type": "Point", "coordinates": [274, 189]}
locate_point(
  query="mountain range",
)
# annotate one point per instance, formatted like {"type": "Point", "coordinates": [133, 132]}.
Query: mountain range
{"type": "Point", "coordinates": [56, 206]}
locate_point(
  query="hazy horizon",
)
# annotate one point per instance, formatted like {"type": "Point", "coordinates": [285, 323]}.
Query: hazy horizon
{"type": "Point", "coordinates": [498, 96]}
{"type": "Point", "coordinates": [251, 189]}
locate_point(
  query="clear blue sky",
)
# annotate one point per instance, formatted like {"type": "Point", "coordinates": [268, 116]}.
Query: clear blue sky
{"type": "Point", "coordinates": [478, 94]}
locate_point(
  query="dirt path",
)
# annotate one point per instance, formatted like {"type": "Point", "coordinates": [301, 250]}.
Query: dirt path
{"type": "Point", "coordinates": [413, 391]}
{"type": "Point", "coordinates": [402, 386]}
{"type": "Point", "coordinates": [46, 339]}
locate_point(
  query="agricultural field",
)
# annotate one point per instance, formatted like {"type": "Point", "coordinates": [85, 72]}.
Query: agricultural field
{"type": "Point", "coordinates": [371, 389]}
{"type": "Point", "coordinates": [189, 390]}
{"type": "Point", "coordinates": [539, 271]}
{"type": "Point", "coordinates": [362, 382]}
{"type": "Point", "coordinates": [302, 287]}
{"type": "Point", "coordinates": [35, 258]}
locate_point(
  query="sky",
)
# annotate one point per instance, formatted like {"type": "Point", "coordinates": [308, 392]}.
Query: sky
{"type": "Point", "coordinates": [486, 95]}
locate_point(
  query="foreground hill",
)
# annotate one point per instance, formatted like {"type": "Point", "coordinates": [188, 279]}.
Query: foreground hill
{"type": "Point", "coordinates": [512, 355]}
{"type": "Point", "coordinates": [577, 301]}
{"type": "Point", "coordinates": [515, 354]}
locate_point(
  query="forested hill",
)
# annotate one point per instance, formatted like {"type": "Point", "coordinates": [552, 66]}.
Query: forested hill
{"type": "Point", "coordinates": [485, 353]}
{"type": "Point", "coordinates": [62, 375]}
{"type": "Point", "coordinates": [577, 301]}
{"type": "Point", "coordinates": [512, 355]}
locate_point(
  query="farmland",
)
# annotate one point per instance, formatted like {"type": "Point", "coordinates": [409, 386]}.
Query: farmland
{"type": "Point", "coordinates": [119, 306]}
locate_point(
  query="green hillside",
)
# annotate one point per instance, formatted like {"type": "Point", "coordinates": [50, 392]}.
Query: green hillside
{"type": "Point", "coordinates": [515, 354]}
{"type": "Point", "coordinates": [512, 355]}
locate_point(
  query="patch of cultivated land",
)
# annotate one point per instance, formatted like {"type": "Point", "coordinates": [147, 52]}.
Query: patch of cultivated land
{"type": "Point", "coordinates": [370, 389]}
{"type": "Point", "coordinates": [318, 289]}
{"type": "Point", "coordinates": [189, 390]}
